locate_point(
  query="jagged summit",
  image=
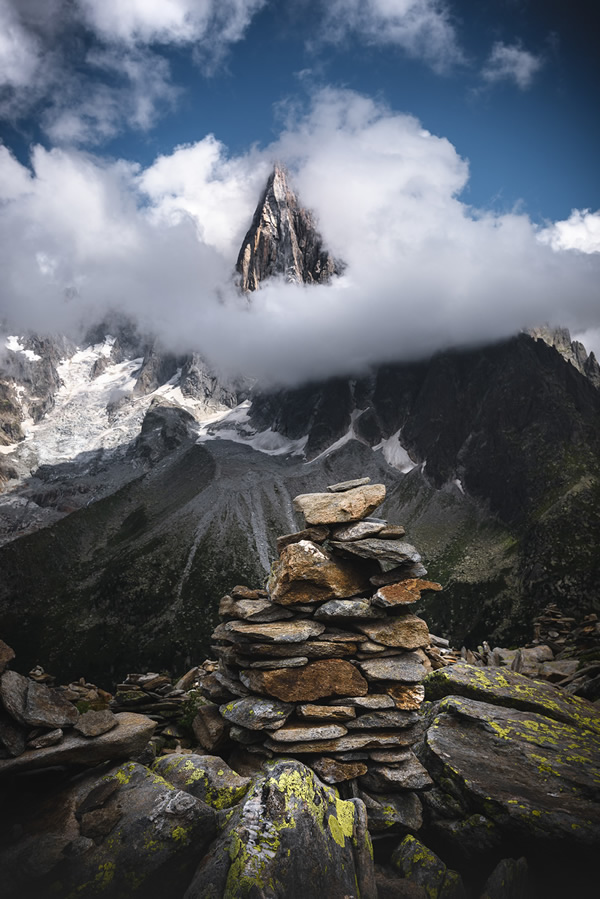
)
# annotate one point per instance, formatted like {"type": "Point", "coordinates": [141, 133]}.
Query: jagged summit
{"type": "Point", "coordinates": [283, 240]}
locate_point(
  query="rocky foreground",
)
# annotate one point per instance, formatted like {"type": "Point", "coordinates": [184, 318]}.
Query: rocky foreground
{"type": "Point", "coordinates": [335, 748]}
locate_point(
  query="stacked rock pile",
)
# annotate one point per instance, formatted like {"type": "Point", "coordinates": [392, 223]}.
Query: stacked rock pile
{"type": "Point", "coordinates": [327, 663]}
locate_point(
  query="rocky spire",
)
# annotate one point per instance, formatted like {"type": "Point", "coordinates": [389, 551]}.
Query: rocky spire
{"type": "Point", "coordinates": [283, 240]}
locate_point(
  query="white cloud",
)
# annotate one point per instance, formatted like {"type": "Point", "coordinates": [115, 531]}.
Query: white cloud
{"type": "Point", "coordinates": [510, 62]}
{"type": "Point", "coordinates": [421, 28]}
{"type": "Point", "coordinates": [90, 90]}
{"type": "Point", "coordinates": [424, 270]}
{"type": "Point", "coordinates": [581, 231]}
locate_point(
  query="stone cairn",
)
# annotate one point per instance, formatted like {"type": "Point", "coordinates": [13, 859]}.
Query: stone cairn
{"type": "Point", "coordinates": [327, 663]}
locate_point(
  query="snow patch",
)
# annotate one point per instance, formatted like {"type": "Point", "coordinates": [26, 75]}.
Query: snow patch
{"type": "Point", "coordinates": [458, 483]}
{"type": "Point", "coordinates": [14, 344]}
{"type": "Point", "coordinates": [235, 425]}
{"type": "Point", "coordinates": [395, 454]}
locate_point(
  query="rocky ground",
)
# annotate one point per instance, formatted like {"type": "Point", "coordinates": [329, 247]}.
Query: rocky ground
{"type": "Point", "coordinates": [397, 769]}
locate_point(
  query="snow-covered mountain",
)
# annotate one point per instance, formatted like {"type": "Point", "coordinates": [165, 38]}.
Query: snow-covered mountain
{"type": "Point", "coordinates": [138, 485]}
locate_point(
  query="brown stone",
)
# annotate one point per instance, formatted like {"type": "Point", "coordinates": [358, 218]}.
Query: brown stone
{"type": "Point", "coordinates": [399, 573]}
{"type": "Point", "coordinates": [92, 724]}
{"type": "Point", "coordinates": [315, 535]}
{"type": "Point", "coordinates": [209, 728]}
{"type": "Point", "coordinates": [406, 632]}
{"type": "Point", "coordinates": [242, 592]}
{"type": "Point", "coordinates": [331, 677]}
{"type": "Point", "coordinates": [333, 771]}
{"type": "Point", "coordinates": [408, 774]}
{"type": "Point", "coordinates": [346, 608]}
{"type": "Point", "coordinates": [403, 593]}
{"type": "Point", "coordinates": [46, 738]}
{"type": "Point", "coordinates": [392, 531]}
{"type": "Point", "coordinates": [388, 718]}
{"type": "Point", "coordinates": [334, 508]}
{"type": "Point", "coordinates": [406, 697]}
{"type": "Point", "coordinates": [306, 573]}
{"type": "Point", "coordinates": [6, 655]}
{"type": "Point", "coordinates": [326, 712]}
{"type": "Point", "coordinates": [333, 635]}
{"type": "Point", "coordinates": [275, 631]}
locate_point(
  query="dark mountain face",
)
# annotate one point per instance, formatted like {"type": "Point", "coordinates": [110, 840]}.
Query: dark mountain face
{"type": "Point", "coordinates": [490, 457]}
{"type": "Point", "coordinates": [283, 240]}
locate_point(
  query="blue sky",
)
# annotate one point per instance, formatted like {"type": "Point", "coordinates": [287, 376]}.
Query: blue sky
{"type": "Point", "coordinates": [457, 135]}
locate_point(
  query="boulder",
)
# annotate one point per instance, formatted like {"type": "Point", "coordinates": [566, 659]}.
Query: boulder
{"type": "Point", "coordinates": [307, 573]}
{"type": "Point", "coordinates": [418, 864]}
{"type": "Point", "coordinates": [290, 836]}
{"type": "Point", "coordinates": [536, 778]}
{"type": "Point", "coordinates": [331, 677]}
{"type": "Point", "coordinates": [340, 507]}
{"type": "Point", "coordinates": [206, 777]}
{"type": "Point", "coordinates": [127, 739]}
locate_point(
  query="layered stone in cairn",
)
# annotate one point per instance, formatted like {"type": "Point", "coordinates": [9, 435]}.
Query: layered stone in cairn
{"type": "Point", "coordinates": [328, 664]}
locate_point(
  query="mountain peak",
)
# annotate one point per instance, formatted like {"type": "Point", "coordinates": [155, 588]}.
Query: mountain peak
{"type": "Point", "coordinates": [283, 240]}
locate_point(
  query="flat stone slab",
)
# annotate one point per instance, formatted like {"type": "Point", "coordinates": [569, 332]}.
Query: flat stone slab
{"type": "Point", "coordinates": [401, 572]}
{"type": "Point", "coordinates": [295, 732]}
{"type": "Point", "coordinates": [372, 701]}
{"type": "Point", "coordinates": [358, 531]}
{"type": "Point", "coordinates": [275, 631]}
{"type": "Point", "coordinates": [93, 724]}
{"type": "Point", "coordinates": [295, 662]}
{"type": "Point", "coordinates": [406, 775]}
{"type": "Point", "coordinates": [340, 507]}
{"type": "Point", "coordinates": [256, 713]}
{"type": "Point", "coordinates": [406, 667]}
{"type": "Point", "coordinates": [406, 632]}
{"type": "Point", "coordinates": [405, 697]}
{"type": "Point", "coordinates": [535, 777]}
{"type": "Point", "coordinates": [315, 535]}
{"type": "Point", "coordinates": [326, 712]}
{"type": "Point", "coordinates": [507, 688]}
{"type": "Point", "coordinates": [382, 550]}
{"type": "Point", "coordinates": [342, 486]}
{"type": "Point", "coordinates": [128, 738]}
{"type": "Point", "coordinates": [404, 593]}
{"type": "Point", "coordinates": [346, 608]}
{"type": "Point", "coordinates": [325, 649]}
{"type": "Point", "coordinates": [387, 718]}
{"type": "Point", "coordinates": [331, 677]}
{"type": "Point", "coordinates": [352, 742]}
{"type": "Point", "coordinates": [307, 573]}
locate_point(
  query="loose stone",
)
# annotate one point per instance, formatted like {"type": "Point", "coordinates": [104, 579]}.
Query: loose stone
{"type": "Point", "coordinates": [276, 631]}
{"type": "Point", "coordinates": [407, 632]}
{"type": "Point", "coordinates": [326, 712]}
{"type": "Point", "coordinates": [384, 718]}
{"type": "Point", "coordinates": [405, 667]}
{"type": "Point", "coordinates": [315, 535]}
{"type": "Point", "coordinates": [253, 610]}
{"type": "Point", "coordinates": [403, 593]}
{"type": "Point", "coordinates": [333, 771]}
{"type": "Point", "coordinates": [346, 608]}
{"type": "Point", "coordinates": [357, 531]}
{"type": "Point", "coordinates": [255, 713]}
{"type": "Point", "coordinates": [339, 507]}
{"type": "Point", "coordinates": [348, 485]}
{"type": "Point", "coordinates": [310, 650]}
{"type": "Point", "coordinates": [408, 775]}
{"type": "Point", "coordinates": [405, 697]}
{"type": "Point", "coordinates": [295, 732]}
{"type": "Point", "coordinates": [372, 701]}
{"type": "Point", "coordinates": [399, 573]}
{"type": "Point", "coordinates": [331, 677]}
{"type": "Point", "coordinates": [92, 724]}
{"type": "Point", "coordinates": [306, 573]}
{"type": "Point", "coordinates": [382, 550]}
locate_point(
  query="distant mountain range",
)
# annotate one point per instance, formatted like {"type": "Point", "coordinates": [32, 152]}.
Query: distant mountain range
{"type": "Point", "coordinates": [130, 475]}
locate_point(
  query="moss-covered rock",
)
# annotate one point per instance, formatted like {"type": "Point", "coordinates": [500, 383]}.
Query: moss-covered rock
{"type": "Point", "coordinates": [206, 777]}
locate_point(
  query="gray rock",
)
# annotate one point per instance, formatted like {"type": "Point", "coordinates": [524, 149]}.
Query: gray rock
{"type": "Point", "coordinates": [315, 535]}
{"type": "Point", "coordinates": [393, 813]}
{"type": "Point", "coordinates": [293, 832]}
{"type": "Point", "coordinates": [384, 718]}
{"type": "Point", "coordinates": [326, 712]}
{"type": "Point", "coordinates": [258, 611]}
{"type": "Point", "coordinates": [352, 742]}
{"type": "Point", "coordinates": [418, 864]}
{"type": "Point", "coordinates": [346, 608]}
{"type": "Point", "coordinates": [382, 550]}
{"type": "Point", "coordinates": [508, 880]}
{"type": "Point", "coordinates": [7, 654]}
{"type": "Point", "coordinates": [296, 662]}
{"type": "Point", "coordinates": [407, 775]}
{"type": "Point", "coordinates": [209, 728]}
{"type": "Point", "coordinates": [400, 573]}
{"type": "Point", "coordinates": [92, 724]}
{"type": "Point", "coordinates": [405, 667]}
{"type": "Point", "coordinates": [48, 738]}
{"type": "Point", "coordinates": [257, 713]}
{"type": "Point", "coordinates": [357, 531]}
{"type": "Point", "coordinates": [275, 632]}
{"type": "Point", "coordinates": [12, 735]}
{"type": "Point", "coordinates": [126, 740]}
{"type": "Point", "coordinates": [311, 650]}
{"type": "Point", "coordinates": [301, 732]}
{"type": "Point", "coordinates": [342, 486]}
{"type": "Point", "coordinates": [206, 777]}
{"type": "Point", "coordinates": [372, 701]}
{"type": "Point", "coordinates": [33, 704]}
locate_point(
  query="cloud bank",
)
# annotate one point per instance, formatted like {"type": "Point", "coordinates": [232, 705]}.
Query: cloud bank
{"type": "Point", "coordinates": [425, 271]}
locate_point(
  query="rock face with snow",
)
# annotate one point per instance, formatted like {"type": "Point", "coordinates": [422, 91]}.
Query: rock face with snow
{"type": "Point", "coordinates": [283, 240]}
